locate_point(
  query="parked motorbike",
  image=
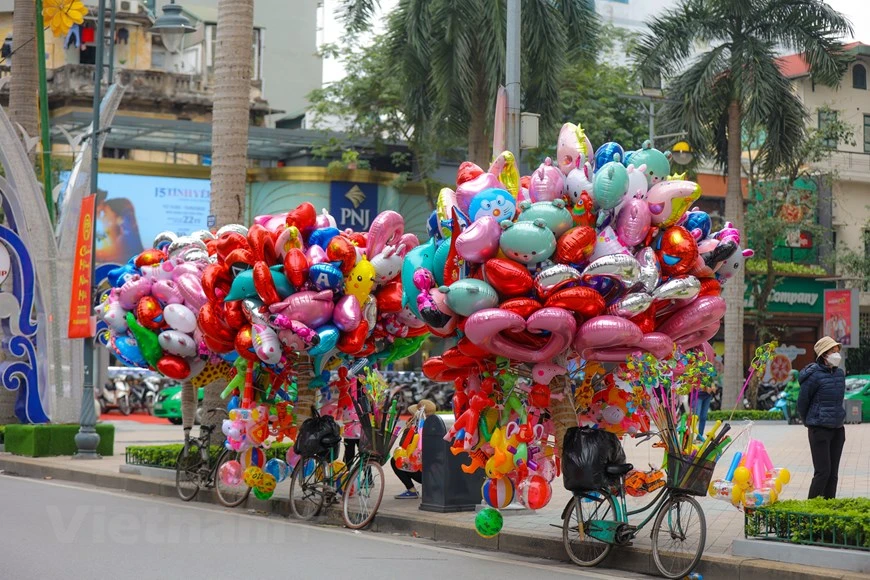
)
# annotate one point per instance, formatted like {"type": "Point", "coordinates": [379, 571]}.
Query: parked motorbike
{"type": "Point", "coordinates": [115, 394]}
{"type": "Point", "coordinates": [143, 392]}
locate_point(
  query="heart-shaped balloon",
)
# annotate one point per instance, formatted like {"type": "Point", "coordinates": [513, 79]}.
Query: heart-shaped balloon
{"type": "Point", "coordinates": [234, 313]}
{"type": "Point", "coordinates": [603, 332]}
{"type": "Point", "coordinates": [351, 342]}
{"type": "Point", "coordinates": [347, 314]}
{"type": "Point", "coordinates": [304, 217]}
{"type": "Point", "coordinates": [229, 241]}
{"type": "Point", "coordinates": [581, 300]}
{"type": "Point", "coordinates": [479, 241]}
{"type": "Point", "coordinates": [575, 246]}
{"type": "Point", "coordinates": [173, 366]}
{"type": "Point", "coordinates": [700, 315]}
{"type": "Point", "coordinates": [296, 267]}
{"type": "Point", "coordinates": [492, 328]}
{"type": "Point", "coordinates": [507, 277]}
{"type": "Point", "coordinates": [658, 344]}
{"type": "Point", "coordinates": [522, 306]}
{"type": "Point", "coordinates": [467, 171]}
{"type": "Point", "coordinates": [341, 249]}
{"type": "Point", "coordinates": [468, 348]}
{"type": "Point", "coordinates": [389, 298]}
{"type": "Point", "coordinates": [244, 344]}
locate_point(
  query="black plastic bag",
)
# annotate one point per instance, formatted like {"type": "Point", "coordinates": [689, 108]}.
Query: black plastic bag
{"type": "Point", "coordinates": [586, 453]}
{"type": "Point", "coordinates": [309, 440]}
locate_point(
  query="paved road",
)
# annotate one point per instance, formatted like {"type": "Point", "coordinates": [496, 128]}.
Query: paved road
{"type": "Point", "coordinates": [55, 530]}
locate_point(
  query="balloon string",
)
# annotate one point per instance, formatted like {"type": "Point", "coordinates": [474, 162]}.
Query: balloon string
{"type": "Point", "coordinates": [743, 390]}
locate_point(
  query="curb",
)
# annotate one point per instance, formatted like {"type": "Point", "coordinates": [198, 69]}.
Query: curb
{"type": "Point", "coordinates": [630, 559]}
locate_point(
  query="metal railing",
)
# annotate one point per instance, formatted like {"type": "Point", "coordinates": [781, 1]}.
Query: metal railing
{"type": "Point", "coordinates": [803, 528]}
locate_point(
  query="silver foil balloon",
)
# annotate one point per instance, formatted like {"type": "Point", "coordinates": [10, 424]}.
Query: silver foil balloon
{"type": "Point", "coordinates": [553, 278]}
{"type": "Point", "coordinates": [163, 239]}
{"type": "Point", "coordinates": [684, 288]}
{"type": "Point", "coordinates": [182, 244]}
{"type": "Point", "coordinates": [650, 273]}
{"type": "Point", "coordinates": [631, 305]}
{"type": "Point", "coordinates": [203, 235]}
{"type": "Point", "coordinates": [255, 312]}
{"type": "Point", "coordinates": [194, 255]}
{"type": "Point", "coordinates": [237, 228]}
{"type": "Point", "coordinates": [620, 267]}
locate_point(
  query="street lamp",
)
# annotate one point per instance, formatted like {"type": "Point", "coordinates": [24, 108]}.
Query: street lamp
{"type": "Point", "coordinates": [172, 27]}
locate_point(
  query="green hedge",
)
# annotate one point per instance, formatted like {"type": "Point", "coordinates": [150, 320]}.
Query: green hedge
{"type": "Point", "coordinates": [743, 415]}
{"type": "Point", "coordinates": [2, 432]}
{"type": "Point", "coordinates": [841, 522]}
{"type": "Point", "coordinates": [53, 439]}
{"type": "Point", "coordinates": [164, 456]}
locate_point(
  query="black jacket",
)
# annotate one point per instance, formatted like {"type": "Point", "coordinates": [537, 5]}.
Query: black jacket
{"type": "Point", "coordinates": [820, 402]}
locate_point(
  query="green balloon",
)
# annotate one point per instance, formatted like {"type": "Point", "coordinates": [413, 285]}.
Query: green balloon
{"type": "Point", "coordinates": [405, 347]}
{"type": "Point", "coordinates": [488, 522]}
{"type": "Point", "coordinates": [264, 495]}
{"type": "Point", "coordinates": [149, 346]}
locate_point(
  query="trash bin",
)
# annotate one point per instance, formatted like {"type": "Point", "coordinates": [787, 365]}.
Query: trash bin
{"type": "Point", "coordinates": [854, 408]}
{"type": "Point", "coordinates": [446, 488]}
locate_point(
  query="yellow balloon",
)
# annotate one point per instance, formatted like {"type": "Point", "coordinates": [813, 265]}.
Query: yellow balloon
{"type": "Point", "coordinates": [736, 495]}
{"type": "Point", "coordinates": [777, 485]}
{"type": "Point", "coordinates": [711, 490]}
{"type": "Point", "coordinates": [360, 280]}
{"type": "Point", "coordinates": [784, 476]}
{"type": "Point", "coordinates": [742, 476]}
{"type": "Point", "coordinates": [774, 495]}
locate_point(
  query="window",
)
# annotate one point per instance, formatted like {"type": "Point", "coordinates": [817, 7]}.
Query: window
{"type": "Point", "coordinates": [859, 77]}
{"type": "Point", "coordinates": [866, 133]}
{"type": "Point", "coordinates": [825, 118]}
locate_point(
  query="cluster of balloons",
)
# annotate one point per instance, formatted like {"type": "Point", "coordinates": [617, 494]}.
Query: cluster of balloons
{"type": "Point", "coordinates": [752, 481]}
{"type": "Point", "coordinates": [151, 310]}
{"type": "Point", "coordinates": [294, 283]}
{"type": "Point", "coordinates": [254, 473]}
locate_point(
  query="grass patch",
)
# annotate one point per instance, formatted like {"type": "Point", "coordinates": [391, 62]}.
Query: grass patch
{"type": "Point", "coordinates": [164, 456]}
{"type": "Point", "coordinates": [53, 439]}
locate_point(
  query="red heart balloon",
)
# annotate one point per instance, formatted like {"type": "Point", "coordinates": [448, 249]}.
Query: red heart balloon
{"type": "Point", "coordinates": [581, 300]}
{"type": "Point", "coordinates": [467, 172]}
{"type": "Point", "coordinates": [240, 259]}
{"type": "Point", "coordinates": [575, 246]}
{"type": "Point", "coordinates": [359, 239]}
{"type": "Point", "coordinates": [235, 314]}
{"type": "Point", "coordinates": [539, 396]}
{"type": "Point", "coordinates": [211, 321]}
{"type": "Point", "coordinates": [710, 287]}
{"type": "Point", "coordinates": [389, 298]}
{"type": "Point", "coordinates": [264, 284]}
{"type": "Point", "coordinates": [149, 313]}
{"type": "Point", "coordinates": [228, 242]}
{"type": "Point", "coordinates": [351, 342]}
{"type": "Point", "coordinates": [646, 320]}
{"type": "Point", "coordinates": [522, 306]}
{"type": "Point", "coordinates": [296, 267]}
{"type": "Point", "coordinates": [218, 346]}
{"type": "Point", "coordinates": [262, 244]}
{"type": "Point", "coordinates": [304, 217]}
{"type": "Point", "coordinates": [468, 348]}
{"type": "Point", "coordinates": [150, 257]}
{"type": "Point", "coordinates": [341, 249]}
{"type": "Point", "coordinates": [507, 277]}
{"type": "Point", "coordinates": [455, 359]}
{"type": "Point", "coordinates": [173, 367]}
{"type": "Point", "coordinates": [216, 282]}
{"type": "Point", "coordinates": [244, 343]}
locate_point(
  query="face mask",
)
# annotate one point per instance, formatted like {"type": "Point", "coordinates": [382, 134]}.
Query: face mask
{"type": "Point", "coordinates": [834, 359]}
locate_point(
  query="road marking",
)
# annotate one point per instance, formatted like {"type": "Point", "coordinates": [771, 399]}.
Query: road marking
{"type": "Point", "coordinates": [423, 543]}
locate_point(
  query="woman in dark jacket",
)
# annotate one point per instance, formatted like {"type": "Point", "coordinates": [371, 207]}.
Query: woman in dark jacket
{"type": "Point", "coordinates": [820, 406]}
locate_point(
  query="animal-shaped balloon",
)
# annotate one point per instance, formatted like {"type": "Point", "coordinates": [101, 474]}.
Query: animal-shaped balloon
{"type": "Point", "coordinates": [676, 250]}
{"type": "Point", "coordinates": [554, 214]}
{"type": "Point", "coordinates": [547, 182]}
{"type": "Point", "coordinates": [732, 265]}
{"type": "Point", "coordinates": [468, 190]}
{"type": "Point", "coordinates": [658, 166]}
{"type": "Point", "coordinates": [610, 185]}
{"type": "Point", "coordinates": [423, 256]}
{"type": "Point", "coordinates": [498, 203]}
{"type": "Point", "coordinates": [527, 242]}
{"type": "Point", "coordinates": [266, 344]}
{"type": "Point", "coordinates": [578, 182]}
{"type": "Point", "coordinates": [669, 200]}
{"type": "Point", "coordinates": [388, 264]}
{"type": "Point", "coordinates": [573, 148]}
{"type": "Point", "coordinates": [360, 280]}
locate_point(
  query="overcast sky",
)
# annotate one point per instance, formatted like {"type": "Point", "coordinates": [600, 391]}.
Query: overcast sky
{"type": "Point", "coordinates": [858, 11]}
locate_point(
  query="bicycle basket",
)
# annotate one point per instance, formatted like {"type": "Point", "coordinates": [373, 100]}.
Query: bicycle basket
{"type": "Point", "coordinates": [688, 476]}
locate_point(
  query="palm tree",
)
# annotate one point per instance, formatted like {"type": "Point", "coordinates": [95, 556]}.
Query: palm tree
{"type": "Point", "coordinates": [450, 55]}
{"type": "Point", "coordinates": [736, 84]}
{"type": "Point", "coordinates": [24, 83]}
{"type": "Point", "coordinates": [230, 118]}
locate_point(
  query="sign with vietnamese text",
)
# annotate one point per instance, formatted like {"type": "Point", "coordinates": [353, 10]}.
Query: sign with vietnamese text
{"type": "Point", "coordinates": [841, 317]}
{"type": "Point", "coordinates": [81, 321]}
{"type": "Point", "coordinates": [353, 205]}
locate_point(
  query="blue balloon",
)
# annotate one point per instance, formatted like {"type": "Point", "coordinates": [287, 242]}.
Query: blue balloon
{"type": "Point", "coordinates": [118, 276]}
{"type": "Point", "coordinates": [230, 357]}
{"type": "Point", "coordinates": [494, 202]}
{"type": "Point", "coordinates": [321, 237]}
{"type": "Point", "coordinates": [326, 276]}
{"type": "Point", "coordinates": [433, 226]}
{"type": "Point", "coordinates": [329, 335]}
{"type": "Point", "coordinates": [607, 153]}
{"type": "Point", "coordinates": [127, 351]}
{"type": "Point", "coordinates": [698, 220]}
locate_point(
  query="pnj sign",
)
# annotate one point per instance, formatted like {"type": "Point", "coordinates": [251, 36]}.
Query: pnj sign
{"type": "Point", "coordinates": [354, 205]}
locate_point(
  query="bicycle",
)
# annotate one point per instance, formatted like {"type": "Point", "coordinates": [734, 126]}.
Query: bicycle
{"type": "Point", "coordinates": [604, 516]}
{"type": "Point", "coordinates": [359, 486]}
{"type": "Point", "coordinates": [196, 467]}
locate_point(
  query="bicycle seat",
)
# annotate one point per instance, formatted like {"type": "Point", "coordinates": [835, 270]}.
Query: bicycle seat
{"type": "Point", "coordinates": [618, 469]}
{"type": "Point", "coordinates": [329, 440]}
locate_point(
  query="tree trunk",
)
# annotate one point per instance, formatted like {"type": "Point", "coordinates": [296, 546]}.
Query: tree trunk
{"type": "Point", "coordinates": [230, 120]}
{"type": "Point", "coordinates": [734, 289]}
{"type": "Point", "coordinates": [24, 82]}
{"type": "Point", "coordinates": [564, 414]}
{"type": "Point", "coordinates": [231, 113]}
{"type": "Point", "coordinates": [479, 146]}
{"type": "Point", "coordinates": [305, 396]}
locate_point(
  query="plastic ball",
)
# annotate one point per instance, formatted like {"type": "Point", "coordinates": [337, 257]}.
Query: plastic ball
{"type": "Point", "coordinates": [498, 493]}
{"type": "Point", "coordinates": [263, 495]}
{"type": "Point", "coordinates": [231, 473]}
{"type": "Point", "coordinates": [277, 468]}
{"type": "Point", "coordinates": [535, 492]}
{"type": "Point", "coordinates": [742, 476]}
{"type": "Point", "coordinates": [488, 522]}
{"type": "Point", "coordinates": [253, 457]}
{"type": "Point", "coordinates": [253, 476]}
{"type": "Point", "coordinates": [268, 483]}
{"type": "Point", "coordinates": [292, 458]}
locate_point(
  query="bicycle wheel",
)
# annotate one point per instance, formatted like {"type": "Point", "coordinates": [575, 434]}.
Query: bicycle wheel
{"type": "Point", "coordinates": [363, 494]}
{"type": "Point", "coordinates": [583, 549]}
{"type": "Point", "coordinates": [678, 536]}
{"type": "Point", "coordinates": [307, 487]}
{"type": "Point", "coordinates": [229, 495]}
{"type": "Point", "coordinates": [187, 468]}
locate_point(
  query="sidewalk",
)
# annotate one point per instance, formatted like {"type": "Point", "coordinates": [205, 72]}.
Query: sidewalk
{"type": "Point", "coordinates": [524, 532]}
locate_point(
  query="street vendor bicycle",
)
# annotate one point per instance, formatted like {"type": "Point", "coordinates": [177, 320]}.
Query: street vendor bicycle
{"type": "Point", "coordinates": [359, 486]}
{"type": "Point", "coordinates": [198, 466]}
{"type": "Point", "coordinates": [594, 521]}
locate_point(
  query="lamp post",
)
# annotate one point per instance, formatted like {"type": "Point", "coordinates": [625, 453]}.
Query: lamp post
{"type": "Point", "coordinates": [512, 78]}
{"type": "Point", "coordinates": [173, 25]}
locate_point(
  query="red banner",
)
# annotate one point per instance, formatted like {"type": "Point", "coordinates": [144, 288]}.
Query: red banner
{"type": "Point", "coordinates": [82, 323]}
{"type": "Point", "coordinates": [841, 317]}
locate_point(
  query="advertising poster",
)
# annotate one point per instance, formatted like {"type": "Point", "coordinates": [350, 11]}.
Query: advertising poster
{"type": "Point", "coordinates": [841, 316]}
{"type": "Point", "coordinates": [354, 205]}
{"type": "Point", "coordinates": [138, 207]}
{"type": "Point", "coordinates": [80, 305]}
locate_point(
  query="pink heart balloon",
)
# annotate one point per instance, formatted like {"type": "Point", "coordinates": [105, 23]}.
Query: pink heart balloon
{"type": "Point", "coordinates": [347, 314]}
{"type": "Point", "coordinates": [386, 230]}
{"type": "Point", "coordinates": [479, 242]}
{"type": "Point", "coordinates": [693, 318]}
{"type": "Point", "coordinates": [603, 332]}
{"type": "Point", "coordinates": [490, 329]}
{"type": "Point", "coordinates": [466, 191]}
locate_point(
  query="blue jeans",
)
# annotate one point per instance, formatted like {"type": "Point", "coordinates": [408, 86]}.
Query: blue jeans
{"type": "Point", "coordinates": [702, 407]}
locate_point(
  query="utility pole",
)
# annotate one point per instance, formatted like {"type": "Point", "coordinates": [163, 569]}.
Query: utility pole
{"type": "Point", "coordinates": [512, 78]}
